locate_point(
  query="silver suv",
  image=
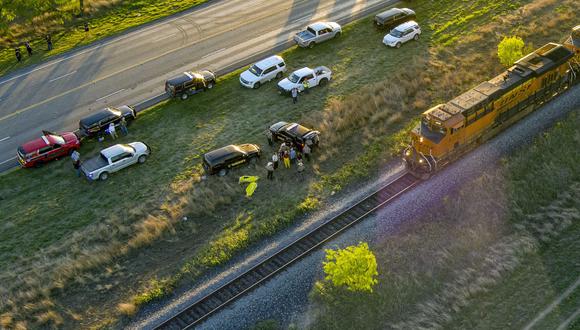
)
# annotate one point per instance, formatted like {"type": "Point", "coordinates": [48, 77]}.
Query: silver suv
{"type": "Point", "coordinates": [263, 71]}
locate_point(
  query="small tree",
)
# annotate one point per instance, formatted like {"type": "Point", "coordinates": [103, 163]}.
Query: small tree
{"type": "Point", "coordinates": [354, 267]}
{"type": "Point", "coordinates": [509, 50]}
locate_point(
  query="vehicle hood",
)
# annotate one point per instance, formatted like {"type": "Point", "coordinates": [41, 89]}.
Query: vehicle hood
{"type": "Point", "coordinates": [140, 147]}
{"type": "Point", "coordinates": [390, 39]}
{"type": "Point", "coordinates": [248, 76]}
{"type": "Point", "coordinates": [334, 26]}
{"type": "Point", "coordinates": [207, 75]}
{"type": "Point", "coordinates": [304, 35]}
{"type": "Point", "coordinates": [249, 148]}
{"type": "Point", "coordinates": [286, 84]}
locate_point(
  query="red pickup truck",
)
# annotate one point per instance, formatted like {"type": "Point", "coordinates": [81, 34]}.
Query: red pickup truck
{"type": "Point", "coordinates": [46, 148]}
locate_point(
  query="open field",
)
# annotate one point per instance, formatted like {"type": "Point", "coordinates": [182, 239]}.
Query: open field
{"type": "Point", "coordinates": [62, 19]}
{"type": "Point", "coordinates": [493, 256]}
{"type": "Point", "coordinates": [80, 249]}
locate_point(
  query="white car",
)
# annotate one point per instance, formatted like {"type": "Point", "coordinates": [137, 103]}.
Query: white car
{"type": "Point", "coordinates": [263, 71]}
{"type": "Point", "coordinates": [402, 33]}
{"type": "Point", "coordinates": [316, 33]}
{"type": "Point", "coordinates": [315, 77]}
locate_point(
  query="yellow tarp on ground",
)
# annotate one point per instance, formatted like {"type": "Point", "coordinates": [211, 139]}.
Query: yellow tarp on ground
{"type": "Point", "coordinates": [251, 188]}
{"type": "Point", "coordinates": [248, 179]}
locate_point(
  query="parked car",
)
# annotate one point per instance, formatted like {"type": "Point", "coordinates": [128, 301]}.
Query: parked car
{"type": "Point", "coordinates": [319, 76]}
{"type": "Point", "coordinates": [263, 71]}
{"type": "Point", "coordinates": [99, 121]}
{"type": "Point", "coordinates": [219, 161]}
{"type": "Point", "coordinates": [115, 158]}
{"type": "Point", "coordinates": [394, 17]}
{"type": "Point", "coordinates": [48, 147]}
{"type": "Point", "coordinates": [316, 33]}
{"type": "Point", "coordinates": [402, 33]}
{"type": "Point", "coordinates": [294, 133]}
{"type": "Point", "coordinates": [190, 83]}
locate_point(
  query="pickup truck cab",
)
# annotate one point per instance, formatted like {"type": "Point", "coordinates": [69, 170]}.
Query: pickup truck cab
{"type": "Point", "coordinates": [189, 83]}
{"type": "Point", "coordinates": [315, 77]}
{"type": "Point", "coordinates": [316, 33]}
{"type": "Point", "coordinates": [115, 158]}
{"type": "Point", "coordinates": [48, 147]}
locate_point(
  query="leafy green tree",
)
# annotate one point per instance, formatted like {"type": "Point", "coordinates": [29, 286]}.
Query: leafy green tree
{"type": "Point", "coordinates": [509, 50]}
{"type": "Point", "coordinates": [354, 267]}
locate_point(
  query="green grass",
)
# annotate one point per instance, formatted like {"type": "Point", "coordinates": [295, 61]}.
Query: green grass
{"type": "Point", "coordinates": [65, 25]}
{"type": "Point", "coordinates": [76, 245]}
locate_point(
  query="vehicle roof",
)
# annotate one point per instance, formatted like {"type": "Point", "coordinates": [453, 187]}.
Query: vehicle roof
{"type": "Point", "coordinates": [115, 150]}
{"type": "Point", "coordinates": [296, 129]}
{"type": "Point", "coordinates": [406, 25]}
{"type": "Point", "coordinates": [269, 61]}
{"type": "Point", "coordinates": [184, 77]}
{"type": "Point", "coordinates": [220, 153]}
{"type": "Point", "coordinates": [39, 143]}
{"type": "Point", "coordinates": [317, 26]}
{"type": "Point", "coordinates": [389, 13]}
{"type": "Point", "coordinates": [99, 115]}
{"type": "Point", "coordinates": [303, 72]}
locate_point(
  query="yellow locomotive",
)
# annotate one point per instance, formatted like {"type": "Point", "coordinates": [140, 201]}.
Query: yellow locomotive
{"type": "Point", "coordinates": [448, 130]}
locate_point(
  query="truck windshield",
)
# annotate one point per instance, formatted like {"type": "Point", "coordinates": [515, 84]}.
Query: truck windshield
{"type": "Point", "coordinates": [255, 70]}
{"type": "Point", "coordinates": [294, 78]}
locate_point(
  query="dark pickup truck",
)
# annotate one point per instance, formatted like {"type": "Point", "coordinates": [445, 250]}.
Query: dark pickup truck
{"type": "Point", "coordinates": [189, 83]}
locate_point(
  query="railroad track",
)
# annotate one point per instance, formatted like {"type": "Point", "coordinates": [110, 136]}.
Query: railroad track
{"type": "Point", "coordinates": [199, 311]}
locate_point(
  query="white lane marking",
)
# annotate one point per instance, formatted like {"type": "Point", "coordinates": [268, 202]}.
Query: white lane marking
{"type": "Point", "coordinates": [104, 97]}
{"type": "Point", "coordinates": [164, 37]}
{"type": "Point", "coordinates": [6, 161]}
{"type": "Point", "coordinates": [214, 53]}
{"type": "Point", "coordinates": [553, 305]}
{"type": "Point", "coordinates": [569, 320]}
{"type": "Point", "coordinates": [65, 75]}
{"type": "Point", "coordinates": [4, 139]}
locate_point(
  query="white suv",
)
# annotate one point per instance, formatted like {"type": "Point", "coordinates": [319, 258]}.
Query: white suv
{"type": "Point", "coordinates": [263, 71]}
{"type": "Point", "coordinates": [402, 33]}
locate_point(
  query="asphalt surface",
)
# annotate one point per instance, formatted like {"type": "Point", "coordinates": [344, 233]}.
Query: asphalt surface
{"type": "Point", "coordinates": [131, 68]}
{"type": "Point", "coordinates": [285, 297]}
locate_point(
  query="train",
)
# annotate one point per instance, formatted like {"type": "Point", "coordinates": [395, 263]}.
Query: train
{"type": "Point", "coordinates": [449, 130]}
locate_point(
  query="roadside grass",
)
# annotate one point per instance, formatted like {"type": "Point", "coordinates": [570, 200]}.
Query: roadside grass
{"type": "Point", "coordinates": [493, 256]}
{"type": "Point", "coordinates": [64, 23]}
{"type": "Point", "coordinates": [90, 248]}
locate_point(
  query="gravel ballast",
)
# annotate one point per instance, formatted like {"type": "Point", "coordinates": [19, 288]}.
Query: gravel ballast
{"type": "Point", "coordinates": [285, 297]}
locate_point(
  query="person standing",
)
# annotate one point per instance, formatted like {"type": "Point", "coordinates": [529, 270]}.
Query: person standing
{"type": "Point", "coordinates": [306, 151]}
{"type": "Point", "coordinates": [306, 85]}
{"type": "Point", "coordinates": [48, 39]}
{"type": "Point", "coordinates": [86, 26]}
{"type": "Point", "coordinates": [28, 48]}
{"type": "Point", "coordinates": [275, 160]}
{"type": "Point", "coordinates": [294, 95]}
{"type": "Point", "coordinates": [300, 168]}
{"type": "Point", "coordinates": [286, 159]}
{"type": "Point", "coordinates": [270, 137]}
{"type": "Point", "coordinates": [18, 54]}
{"type": "Point", "coordinates": [292, 155]}
{"type": "Point", "coordinates": [123, 126]}
{"type": "Point", "coordinates": [112, 131]}
{"type": "Point", "coordinates": [75, 156]}
{"type": "Point", "coordinates": [270, 169]}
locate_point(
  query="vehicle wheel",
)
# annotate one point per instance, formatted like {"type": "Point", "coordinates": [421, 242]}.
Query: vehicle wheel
{"type": "Point", "coordinates": [142, 159]}
{"type": "Point", "coordinates": [311, 45]}
{"type": "Point", "coordinates": [337, 34]}
{"type": "Point", "coordinates": [279, 75]}
{"type": "Point", "coordinates": [210, 85]}
{"type": "Point", "coordinates": [223, 172]}
{"type": "Point", "coordinates": [398, 45]}
{"type": "Point", "coordinates": [257, 85]}
{"type": "Point", "coordinates": [323, 82]}
{"type": "Point", "coordinates": [184, 96]}
{"type": "Point", "coordinates": [416, 37]}
{"type": "Point", "coordinates": [104, 176]}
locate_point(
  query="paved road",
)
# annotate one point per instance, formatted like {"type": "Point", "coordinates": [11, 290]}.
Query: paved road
{"type": "Point", "coordinates": [221, 36]}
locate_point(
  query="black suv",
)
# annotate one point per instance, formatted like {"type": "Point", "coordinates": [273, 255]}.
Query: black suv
{"type": "Point", "coordinates": [189, 83]}
{"type": "Point", "coordinates": [393, 17]}
{"type": "Point", "coordinates": [294, 133]}
{"type": "Point", "coordinates": [99, 121]}
{"type": "Point", "coordinates": [221, 160]}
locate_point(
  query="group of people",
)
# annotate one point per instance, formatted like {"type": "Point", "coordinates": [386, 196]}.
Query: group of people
{"type": "Point", "coordinates": [111, 130]}
{"type": "Point", "coordinates": [288, 154]}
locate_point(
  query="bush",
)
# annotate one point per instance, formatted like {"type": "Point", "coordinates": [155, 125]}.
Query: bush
{"type": "Point", "coordinates": [354, 267]}
{"type": "Point", "coordinates": [509, 50]}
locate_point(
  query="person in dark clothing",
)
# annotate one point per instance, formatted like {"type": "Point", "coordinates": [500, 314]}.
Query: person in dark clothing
{"type": "Point", "coordinates": [48, 39]}
{"type": "Point", "coordinates": [294, 95]}
{"type": "Point", "coordinates": [18, 54]}
{"type": "Point", "coordinates": [269, 137]}
{"type": "Point", "coordinates": [86, 26]}
{"type": "Point", "coordinates": [270, 169]}
{"type": "Point", "coordinates": [306, 150]}
{"type": "Point", "coordinates": [28, 48]}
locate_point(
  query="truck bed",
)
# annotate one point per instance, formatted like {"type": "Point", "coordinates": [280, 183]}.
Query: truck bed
{"type": "Point", "coordinates": [93, 164]}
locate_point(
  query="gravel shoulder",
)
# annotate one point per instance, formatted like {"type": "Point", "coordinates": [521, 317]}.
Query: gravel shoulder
{"type": "Point", "coordinates": [285, 297]}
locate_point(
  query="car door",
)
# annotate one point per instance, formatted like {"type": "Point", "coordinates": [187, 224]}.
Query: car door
{"type": "Point", "coordinates": [236, 160]}
{"type": "Point", "coordinates": [121, 161]}
{"type": "Point", "coordinates": [312, 81]}
{"type": "Point", "coordinates": [408, 34]}
{"type": "Point", "coordinates": [268, 74]}
{"type": "Point", "coordinates": [44, 154]}
{"type": "Point", "coordinates": [324, 34]}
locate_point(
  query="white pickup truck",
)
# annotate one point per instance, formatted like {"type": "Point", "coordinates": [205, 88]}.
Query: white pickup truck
{"type": "Point", "coordinates": [115, 158]}
{"type": "Point", "coordinates": [317, 77]}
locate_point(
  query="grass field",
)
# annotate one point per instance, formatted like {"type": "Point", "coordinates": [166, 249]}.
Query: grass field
{"type": "Point", "coordinates": [87, 253]}
{"type": "Point", "coordinates": [62, 19]}
{"type": "Point", "coordinates": [500, 269]}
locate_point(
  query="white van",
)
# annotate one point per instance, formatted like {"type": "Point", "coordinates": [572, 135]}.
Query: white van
{"type": "Point", "coordinates": [263, 71]}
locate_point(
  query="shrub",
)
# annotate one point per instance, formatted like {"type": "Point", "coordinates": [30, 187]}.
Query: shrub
{"type": "Point", "coordinates": [509, 50]}
{"type": "Point", "coordinates": [354, 267]}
